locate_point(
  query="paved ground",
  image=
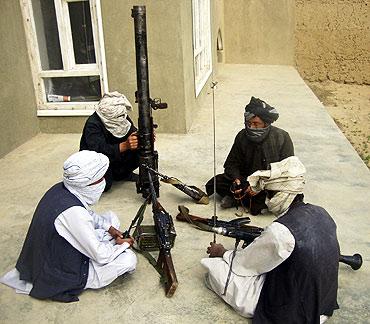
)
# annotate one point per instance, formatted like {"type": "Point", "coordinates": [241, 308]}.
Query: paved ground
{"type": "Point", "coordinates": [337, 179]}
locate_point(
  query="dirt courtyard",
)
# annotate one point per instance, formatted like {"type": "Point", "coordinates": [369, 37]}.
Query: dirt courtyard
{"type": "Point", "coordinates": [349, 106]}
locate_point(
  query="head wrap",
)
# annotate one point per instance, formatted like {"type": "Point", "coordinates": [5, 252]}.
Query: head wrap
{"type": "Point", "coordinates": [258, 107]}
{"type": "Point", "coordinates": [112, 110]}
{"type": "Point", "coordinates": [257, 135]}
{"type": "Point", "coordinates": [285, 177]}
{"type": "Point", "coordinates": [81, 170]}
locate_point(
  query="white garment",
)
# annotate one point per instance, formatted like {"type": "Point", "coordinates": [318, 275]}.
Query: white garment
{"type": "Point", "coordinates": [84, 168]}
{"type": "Point", "coordinates": [285, 177]}
{"type": "Point", "coordinates": [112, 110]}
{"type": "Point", "coordinates": [250, 266]}
{"type": "Point", "coordinates": [80, 172]}
{"type": "Point", "coordinates": [87, 232]}
{"type": "Point", "coordinates": [88, 195]}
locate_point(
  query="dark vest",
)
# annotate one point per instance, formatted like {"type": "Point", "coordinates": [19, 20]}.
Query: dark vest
{"type": "Point", "coordinates": [305, 285]}
{"type": "Point", "coordinates": [55, 268]}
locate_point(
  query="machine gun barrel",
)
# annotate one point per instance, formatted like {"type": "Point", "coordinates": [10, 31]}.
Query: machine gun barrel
{"type": "Point", "coordinates": [147, 154]}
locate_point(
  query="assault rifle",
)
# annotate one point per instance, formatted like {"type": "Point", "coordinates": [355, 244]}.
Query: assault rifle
{"type": "Point", "coordinates": [192, 191]}
{"type": "Point", "coordinates": [160, 237]}
{"type": "Point", "coordinates": [238, 230]}
{"type": "Point", "coordinates": [147, 155]}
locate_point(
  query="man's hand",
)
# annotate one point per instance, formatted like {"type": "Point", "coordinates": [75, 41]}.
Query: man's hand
{"type": "Point", "coordinates": [216, 250]}
{"type": "Point", "coordinates": [120, 241]}
{"type": "Point", "coordinates": [115, 233]}
{"type": "Point", "coordinates": [132, 143]}
{"type": "Point", "coordinates": [250, 192]}
{"type": "Point", "coordinates": [236, 188]}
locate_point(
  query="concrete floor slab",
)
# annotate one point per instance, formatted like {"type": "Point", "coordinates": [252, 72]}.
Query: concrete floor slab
{"type": "Point", "coordinates": [337, 179]}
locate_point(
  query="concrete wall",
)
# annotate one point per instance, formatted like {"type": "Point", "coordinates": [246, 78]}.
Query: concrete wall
{"type": "Point", "coordinates": [192, 103]}
{"type": "Point", "coordinates": [259, 31]}
{"type": "Point", "coordinates": [333, 40]}
{"type": "Point", "coordinates": [18, 121]}
{"type": "Point", "coordinates": [164, 55]}
{"type": "Point", "coordinates": [169, 54]}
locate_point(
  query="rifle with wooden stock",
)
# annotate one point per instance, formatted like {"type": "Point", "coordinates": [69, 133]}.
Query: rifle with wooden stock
{"type": "Point", "coordinates": [240, 231]}
{"type": "Point", "coordinates": [192, 191]}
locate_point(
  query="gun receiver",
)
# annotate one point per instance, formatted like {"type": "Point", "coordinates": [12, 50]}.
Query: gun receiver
{"type": "Point", "coordinates": [160, 237]}
{"type": "Point", "coordinates": [147, 154]}
{"type": "Point", "coordinates": [192, 191]}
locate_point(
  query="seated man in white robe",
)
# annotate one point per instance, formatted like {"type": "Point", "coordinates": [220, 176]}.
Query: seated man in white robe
{"type": "Point", "coordinates": [289, 274]}
{"type": "Point", "coordinates": [69, 247]}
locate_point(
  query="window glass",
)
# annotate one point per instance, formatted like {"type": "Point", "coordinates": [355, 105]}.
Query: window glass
{"type": "Point", "coordinates": [82, 35]}
{"type": "Point", "coordinates": [47, 34]}
{"type": "Point", "coordinates": [201, 43]}
{"type": "Point", "coordinates": [85, 88]}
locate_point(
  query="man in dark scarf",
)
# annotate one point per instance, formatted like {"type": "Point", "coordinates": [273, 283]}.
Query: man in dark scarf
{"type": "Point", "coordinates": [254, 148]}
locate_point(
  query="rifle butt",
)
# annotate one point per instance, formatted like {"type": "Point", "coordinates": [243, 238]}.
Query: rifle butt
{"type": "Point", "coordinates": [169, 275]}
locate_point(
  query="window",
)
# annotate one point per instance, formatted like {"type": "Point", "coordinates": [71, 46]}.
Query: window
{"type": "Point", "coordinates": [201, 43]}
{"type": "Point", "coordinates": [65, 41]}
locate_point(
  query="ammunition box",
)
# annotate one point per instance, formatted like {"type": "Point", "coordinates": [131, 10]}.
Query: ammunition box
{"type": "Point", "coordinates": [147, 239]}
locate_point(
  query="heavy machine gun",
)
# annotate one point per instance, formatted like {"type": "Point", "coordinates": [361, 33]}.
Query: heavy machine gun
{"type": "Point", "coordinates": [158, 237]}
{"type": "Point", "coordinates": [147, 155]}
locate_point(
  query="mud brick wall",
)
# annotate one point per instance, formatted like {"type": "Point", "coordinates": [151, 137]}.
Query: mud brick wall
{"type": "Point", "coordinates": [332, 40]}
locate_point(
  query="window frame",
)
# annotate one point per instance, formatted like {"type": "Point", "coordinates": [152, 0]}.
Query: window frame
{"type": "Point", "coordinates": [70, 68]}
{"type": "Point", "coordinates": [202, 40]}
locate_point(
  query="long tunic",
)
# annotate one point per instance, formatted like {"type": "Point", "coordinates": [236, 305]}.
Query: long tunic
{"type": "Point", "coordinates": [250, 266]}
{"type": "Point", "coordinates": [249, 269]}
{"type": "Point", "coordinates": [246, 157]}
{"type": "Point", "coordinates": [87, 232]}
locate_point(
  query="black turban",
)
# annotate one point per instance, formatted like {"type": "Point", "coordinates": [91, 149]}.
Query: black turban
{"type": "Point", "coordinates": [258, 107]}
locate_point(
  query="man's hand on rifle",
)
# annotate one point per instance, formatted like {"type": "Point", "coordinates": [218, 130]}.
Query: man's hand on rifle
{"type": "Point", "coordinates": [128, 240]}
{"type": "Point", "coordinates": [118, 236]}
{"type": "Point", "coordinates": [216, 250]}
{"type": "Point", "coordinates": [132, 143]}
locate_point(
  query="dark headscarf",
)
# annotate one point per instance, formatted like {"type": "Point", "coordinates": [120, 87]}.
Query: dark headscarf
{"type": "Point", "coordinates": [258, 107]}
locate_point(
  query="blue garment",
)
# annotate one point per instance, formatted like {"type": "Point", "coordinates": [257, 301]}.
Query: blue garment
{"type": "Point", "coordinates": [55, 268]}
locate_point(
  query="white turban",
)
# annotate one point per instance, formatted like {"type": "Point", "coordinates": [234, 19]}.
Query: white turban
{"type": "Point", "coordinates": [286, 177]}
{"type": "Point", "coordinates": [81, 170]}
{"type": "Point", "coordinates": [112, 110]}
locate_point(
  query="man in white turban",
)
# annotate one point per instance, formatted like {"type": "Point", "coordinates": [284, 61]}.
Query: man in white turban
{"type": "Point", "coordinates": [289, 274]}
{"type": "Point", "coordinates": [69, 247]}
{"type": "Point", "coordinates": [109, 130]}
